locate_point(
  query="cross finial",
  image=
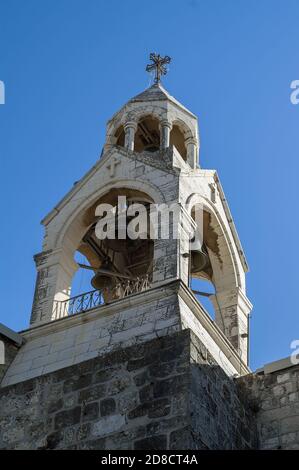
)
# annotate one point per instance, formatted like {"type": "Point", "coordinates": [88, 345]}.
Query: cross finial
{"type": "Point", "coordinates": [158, 65]}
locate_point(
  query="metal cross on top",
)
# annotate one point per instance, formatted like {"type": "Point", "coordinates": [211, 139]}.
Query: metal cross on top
{"type": "Point", "coordinates": [158, 65]}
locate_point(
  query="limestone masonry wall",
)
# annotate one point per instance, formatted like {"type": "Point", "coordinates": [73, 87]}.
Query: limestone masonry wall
{"type": "Point", "coordinates": [167, 393]}
{"type": "Point", "coordinates": [275, 398]}
{"type": "Point", "coordinates": [76, 339]}
{"type": "Point", "coordinates": [220, 419]}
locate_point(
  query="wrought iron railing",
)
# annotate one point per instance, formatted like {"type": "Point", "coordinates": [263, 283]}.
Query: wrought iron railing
{"type": "Point", "coordinates": [77, 304]}
{"type": "Point", "coordinates": [95, 298]}
{"type": "Point", "coordinates": [129, 287]}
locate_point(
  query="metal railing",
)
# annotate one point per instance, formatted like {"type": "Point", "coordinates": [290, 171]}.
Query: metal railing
{"type": "Point", "coordinates": [96, 298]}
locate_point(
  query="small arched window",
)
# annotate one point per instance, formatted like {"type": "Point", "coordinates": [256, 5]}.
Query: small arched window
{"type": "Point", "coordinates": [177, 139]}
{"type": "Point", "coordinates": [120, 136]}
{"type": "Point", "coordinates": [147, 137]}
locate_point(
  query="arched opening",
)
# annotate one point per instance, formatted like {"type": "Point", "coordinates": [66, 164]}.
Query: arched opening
{"type": "Point", "coordinates": [120, 262]}
{"type": "Point", "coordinates": [177, 139]}
{"type": "Point", "coordinates": [147, 136]}
{"type": "Point", "coordinates": [120, 136]}
{"type": "Point", "coordinates": [200, 264]}
{"type": "Point", "coordinates": [81, 281]}
{"type": "Point", "coordinates": [203, 289]}
{"type": "Point", "coordinates": [67, 236]}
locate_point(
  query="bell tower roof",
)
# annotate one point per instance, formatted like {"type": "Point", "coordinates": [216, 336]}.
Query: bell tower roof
{"type": "Point", "coordinates": [155, 104]}
{"type": "Point", "coordinates": [157, 92]}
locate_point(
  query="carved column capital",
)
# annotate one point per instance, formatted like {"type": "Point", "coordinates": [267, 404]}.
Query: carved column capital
{"type": "Point", "coordinates": [165, 123]}
{"type": "Point", "coordinates": [130, 125]}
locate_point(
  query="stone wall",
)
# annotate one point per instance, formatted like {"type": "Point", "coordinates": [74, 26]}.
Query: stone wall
{"type": "Point", "coordinates": [133, 320]}
{"type": "Point", "coordinates": [275, 399]}
{"type": "Point", "coordinates": [55, 264]}
{"type": "Point", "coordinates": [80, 337]}
{"type": "Point", "coordinates": [167, 393]}
{"type": "Point", "coordinates": [220, 419]}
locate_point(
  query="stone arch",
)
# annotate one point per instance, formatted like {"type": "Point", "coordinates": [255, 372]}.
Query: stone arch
{"type": "Point", "coordinates": [133, 113]}
{"type": "Point", "coordinates": [185, 141]}
{"type": "Point", "coordinates": [152, 192]}
{"type": "Point", "coordinates": [230, 303]}
{"type": "Point", "coordinates": [125, 129]}
{"type": "Point", "coordinates": [184, 128]}
{"type": "Point", "coordinates": [147, 135]}
{"type": "Point", "coordinates": [119, 136]}
{"type": "Point", "coordinates": [137, 113]}
{"type": "Point", "coordinates": [178, 136]}
{"type": "Point", "coordinates": [71, 230]}
{"type": "Point", "coordinates": [225, 270]}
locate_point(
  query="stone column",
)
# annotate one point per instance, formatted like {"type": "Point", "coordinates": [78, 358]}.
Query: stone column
{"type": "Point", "coordinates": [191, 144]}
{"type": "Point", "coordinates": [165, 265]}
{"type": "Point", "coordinates": [55, 271]}
{"type": "Point", "coordinates": [232, 309]}
{"type": "Point", "coordinates": [165, 128]}
{"type": "Point", "coordinates": [172, 253]}
{"type": "Point", "coordinates": [186, 227]}
{"type": "Point", "coordinates": [130, 129]}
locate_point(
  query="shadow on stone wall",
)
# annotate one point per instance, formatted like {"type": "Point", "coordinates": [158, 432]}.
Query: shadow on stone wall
{"type": "Point", "coordinates": [167, 393]}
{"type": "Point", "coordinates": [10, 352]}
{"type": "Point", "coordinates": [274, 397]}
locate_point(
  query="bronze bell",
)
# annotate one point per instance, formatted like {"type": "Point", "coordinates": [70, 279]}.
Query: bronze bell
{"type": "Point", "coordinates": [199, 261]}
{"type": "Point", "coordinates": [199, 257]}
{"type": "Point", "coordinates": [102, 280]}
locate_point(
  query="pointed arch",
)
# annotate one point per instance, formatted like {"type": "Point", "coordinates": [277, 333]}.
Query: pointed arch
{"type": "Point", "coordinates": [76, 222]}
{"type": "Point", "coordinates": [226, 273]}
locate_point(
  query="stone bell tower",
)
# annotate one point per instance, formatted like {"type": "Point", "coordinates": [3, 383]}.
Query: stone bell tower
{"type": "Point", "coordinates": [151, 156]}
{"type": "Point", "coordinates": [141, 295]}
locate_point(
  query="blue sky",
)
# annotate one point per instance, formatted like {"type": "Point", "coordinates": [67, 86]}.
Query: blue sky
{"type": "Point", "coordinates": [69, 65]}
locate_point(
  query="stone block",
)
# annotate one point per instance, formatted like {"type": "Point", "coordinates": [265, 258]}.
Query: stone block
{"type": "Point", "coordinates": [289, 424]}
{"type": "Point", "coordinates": [67, 417]}
{"type": "Point", "coordinates": [55, 406]}
{"type": "Point", "coordinates": [118, 385]}
{"type": "Point", "coordinates": [294, 397]}
{"type": "Point", "coordinates": [152, 443]}
{"type": "Point", "coordinates": [180, 439]}
{"type": "Point", "coordinates": [53, 440]}
{"type": "Point", "coordinates": [77, 383]}
{"type": "Point", "coordinates": [108, 425]}
{"type": "Point", "coordinates": [272, 443]}
{"type": "Point", "coordinates": [107, 406]}
{"type": "Point", "coordinates": [172, 385]}
{"type": "Point", "coordinates": [289, 438]}
{"type": "Point", "coordinates": [281, 378]}
{"type": "Point", "coordinates": [83, 431]}
{"type": "Point", "coordinates": [93, 444]}
{"type": "Point", "coordinates": [153, 409]}
{"type": "Point", "coordinates": [93, 393]}
{"type": "Point", "coordinates": [90, 411]}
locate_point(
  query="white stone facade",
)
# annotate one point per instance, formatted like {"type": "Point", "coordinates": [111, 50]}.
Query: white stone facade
{"type": "Point", "coordinates": [164, 176]}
